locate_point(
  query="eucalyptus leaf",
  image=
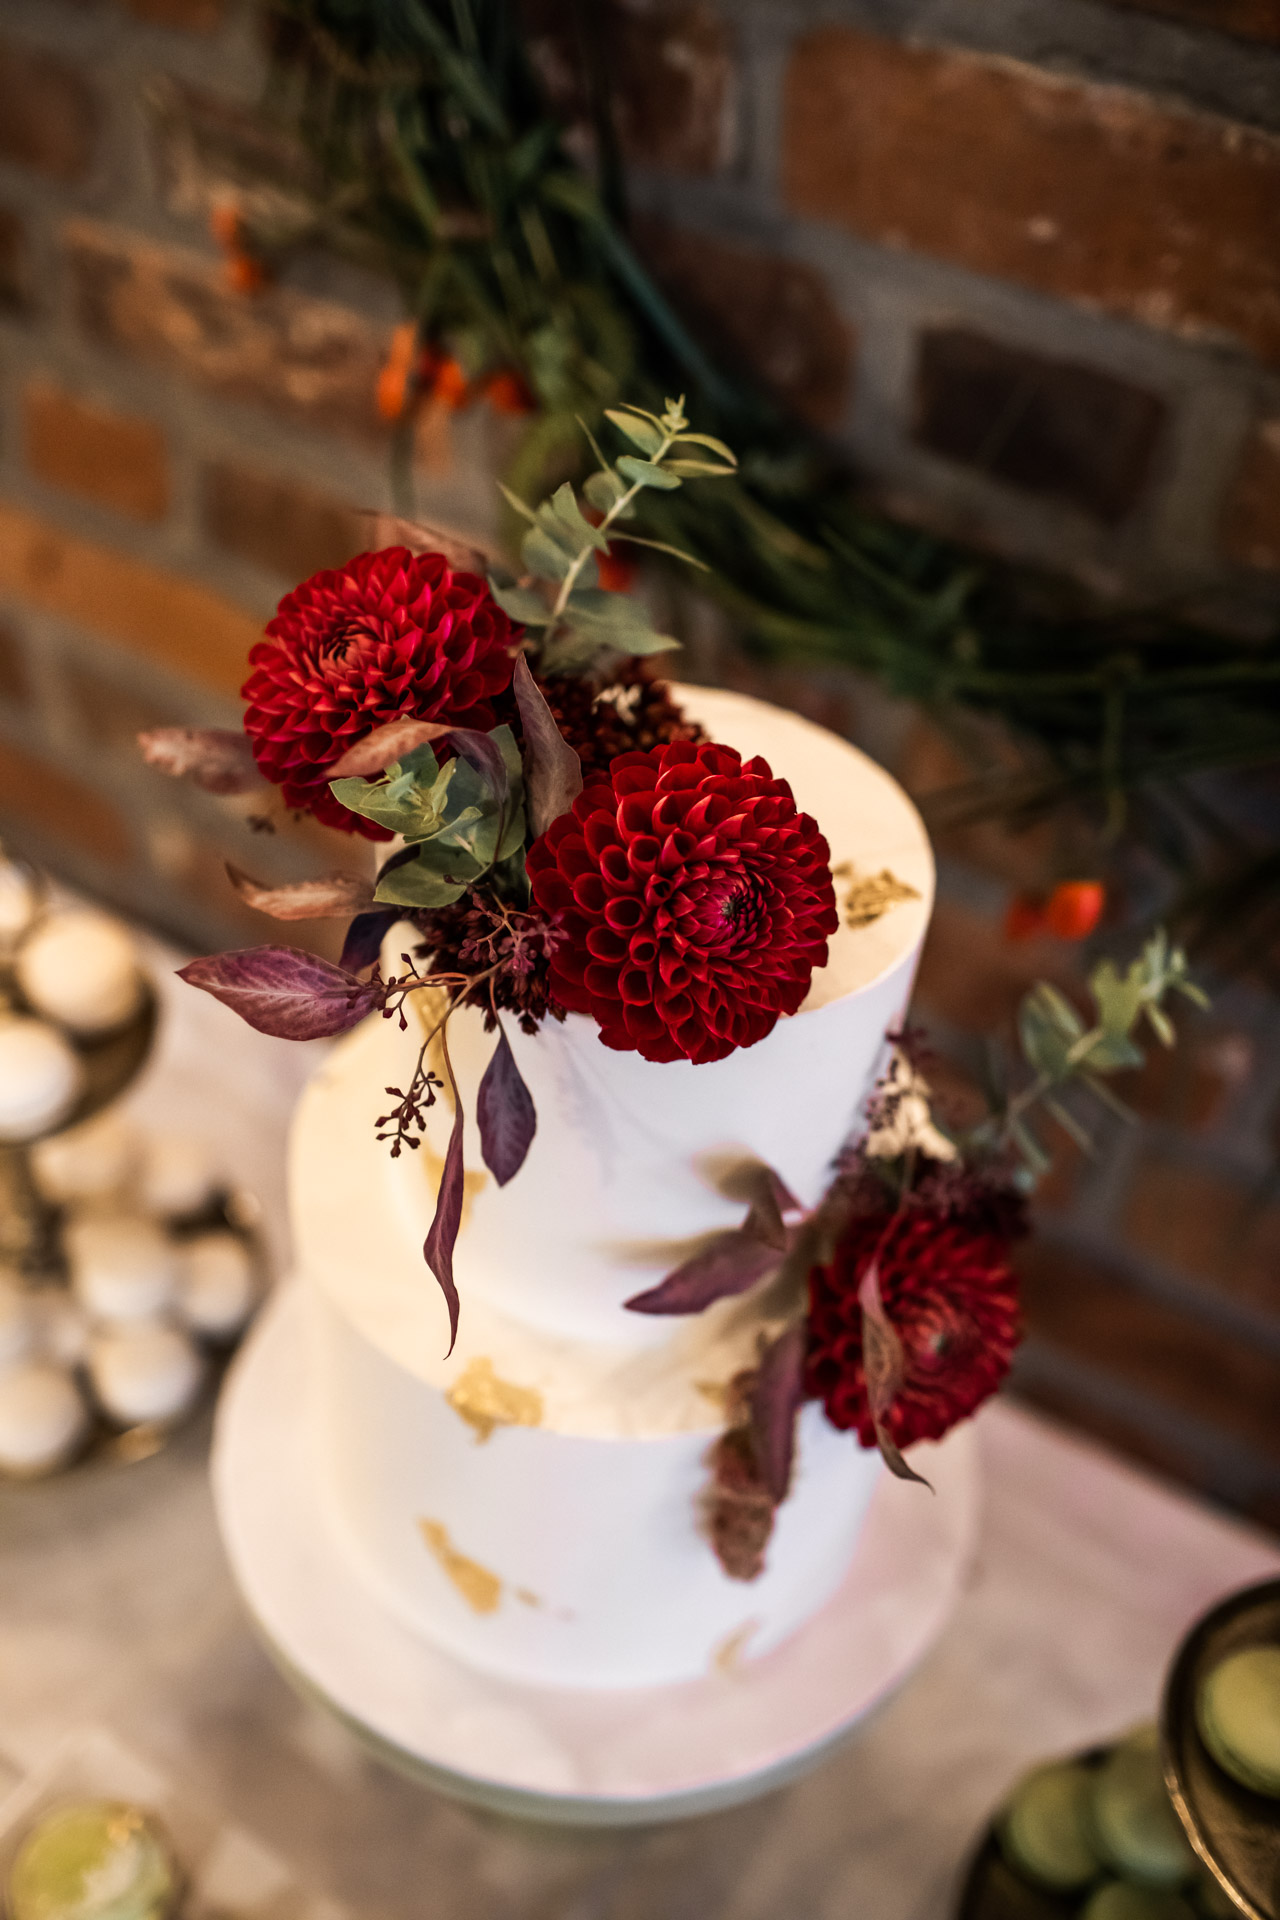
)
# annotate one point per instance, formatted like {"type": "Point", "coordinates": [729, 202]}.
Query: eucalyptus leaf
{"type": "Point", "coordinates": [639, 429]}
{"type": "Point", "coordinates": [696, 469]}
{"type": "Point", "coordinates": [710, 442]}
{"type": "Point", "coordinates": [524, 604]}
{"type": "Point", "coordinates": [414, 885]}
{"type": "Point", "coordinates": [643, 473]}
{"type": "Point", "coordinates": [603, 490]}
{"type": "Point", "coordinates": [563, 519]}
{"type": "Point", "coordinates": [543, 554]}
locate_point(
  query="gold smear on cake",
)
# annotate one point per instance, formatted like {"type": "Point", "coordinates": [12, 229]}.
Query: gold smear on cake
{"type": "Point", "coordinates": [716, 1391]}
{"type": "Point", "coordinates": [731, 1652]}
{"type": "Point", "coordinates": [484, 1401]}
{"type": "Point", "coordinates": [872, 896]}
{"type": "Point", "coordinates": [481, 1589]}
{"type": "Point", "coordinates": [527, 1598]}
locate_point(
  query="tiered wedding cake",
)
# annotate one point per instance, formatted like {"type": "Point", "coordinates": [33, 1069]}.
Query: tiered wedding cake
{"type": "Point", "coordinates": [532, 1502]}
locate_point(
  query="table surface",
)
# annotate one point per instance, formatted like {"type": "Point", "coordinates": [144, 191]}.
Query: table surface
{"type": "Point", "coordinates": [116, 1608]}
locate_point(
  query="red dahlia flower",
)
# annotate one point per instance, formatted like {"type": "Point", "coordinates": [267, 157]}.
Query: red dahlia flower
{"type": "Point", "coordinates": [388, 636]}
{"type": "Point", "coordinates": [950, 1295]}
{"type": "Point", "coordinates": [694, 901]}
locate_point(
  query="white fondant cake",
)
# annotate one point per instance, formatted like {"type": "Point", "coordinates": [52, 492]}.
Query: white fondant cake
{"type": "Point", "coordinates": [532, 1501]}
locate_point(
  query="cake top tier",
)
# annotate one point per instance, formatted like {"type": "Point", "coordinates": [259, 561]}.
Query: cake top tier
{"type": "Point", "coordinates": [634, 1161]}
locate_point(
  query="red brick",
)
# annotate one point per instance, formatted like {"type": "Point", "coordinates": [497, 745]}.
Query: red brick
{"type": "Point", "coordinates": [108, 713]}
{"type": "Point", "coordinates": [1199, 1223]}
{"type": "Point", "coordinates": [158, 615]}
{"type": "Point", "coordinates": [1090, 192]}
{"type": "Point", "coordinates": [48, 112]}
{"type": "Point", "coordinates": [1049, 427]}
{"type": "Point", "coordinates": [972, 977]}
{"type": "Point", "coordinates": [307, 358]}
{"type": "Point", "coordinates": [15, 678]}
{"type": "Point", "coordinates": [776, 317]}
{"type": "Point", "coordinates": [930, 767]}
{"type": "Point", "coordinates": [60, 807]}
{"type": "Point", "coordinates": [1190, 1085]}
{"type": "Point", "coordinates": [1249, 19]}
{"type": "Point", "coordinates": [287, 529]}
{"type": "Point", "coordinates": [1251, 522]}
{"type": "Point", "coordinates": [1077, 1306]}
{"type": "Point", "coordinates": [113, 459]}
{"type": "Point", "coordinates": [671, 70]}
{"type": "Point", "coordinates": [204, 146]}
{"type": "Point", "coordinates": [188, 16]}
{"type": "Point", "coordinates": [15, 279]}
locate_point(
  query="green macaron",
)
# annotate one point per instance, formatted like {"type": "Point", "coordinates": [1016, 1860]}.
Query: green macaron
{"type": "Point", "coordinates": [1238, 1714]}
{"type": "Point", "coordinates": [1046, 1830]}
{"type": "Point", "coordinates": [94, 1860]}
{"type": "Point", "coordinates": [1136, 1825]}
{"type": "Point", "coordinates": [1121, 1900]}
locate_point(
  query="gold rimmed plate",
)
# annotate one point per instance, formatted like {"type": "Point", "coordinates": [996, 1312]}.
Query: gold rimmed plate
{"type": "Point", "coordinates": [1235, 1831]}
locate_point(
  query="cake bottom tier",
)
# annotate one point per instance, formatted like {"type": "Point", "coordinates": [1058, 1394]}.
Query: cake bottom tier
{"type": "Point", "coordinates": [556, 1558]}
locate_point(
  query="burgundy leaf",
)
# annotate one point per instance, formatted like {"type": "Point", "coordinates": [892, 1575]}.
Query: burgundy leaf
{"type": "Point", "coordinates": [552, 770]}
{"type": "Point", "coordinates": [385, 745]}
{"type": "Point", "coordinates": [330, 897]}
{"type": "Point", "coordinates": [883, 1366]}
{"type": "Point", "coordinates": [775, 1402]}
{"type": "Point", "coordinates": [365, 936]}
{"type": "Point", "coordinates": [438, 1248]}
{"type": "Point", "coordinates": [388, 530]}
{"type": "Point", "coordinates": [212, 757]}
{"type": "Point", "coordinates": [731, 1264]}
{"type": "Point", "coordinates": [281, 991]}
{"type": "Point", "coordinates": [780, 1193]}
{"type": "Point", "coordinates": [738, 1509]}
{"type": "Point", "coordinates": [505, 1114]}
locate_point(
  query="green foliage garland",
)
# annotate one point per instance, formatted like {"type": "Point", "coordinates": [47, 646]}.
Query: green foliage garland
{"type": "Point", "coordinates": [438, 161]}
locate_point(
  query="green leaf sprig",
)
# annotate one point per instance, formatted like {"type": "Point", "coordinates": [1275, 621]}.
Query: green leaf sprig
{"type": "Point", "coordinates": [576, 618]}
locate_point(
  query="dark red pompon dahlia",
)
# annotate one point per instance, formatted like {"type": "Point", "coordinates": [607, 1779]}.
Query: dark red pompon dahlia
{"type": "Point", "coordinates": [693, 898]}
{"type": "Point", "coordinates": [391, 635]}
{"type": "Point", "coordinates": [951, 1296]}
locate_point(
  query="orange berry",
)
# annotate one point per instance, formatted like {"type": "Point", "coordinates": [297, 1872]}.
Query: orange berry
{"type": "Point", "coordinates": [1074, 909]}
{"type": "Point", "coordinates": [616, 572]}
{"type": "Point", "coordinates": [450, 386]}
{"type": "Point", "coordinates": [245, 273]}
{"type": "Point", "coordinates": [506, 392]}
{"type": "Point", "coordinates": [389, 395]}
{"type": "Point", "coordinates": [1024, 918]}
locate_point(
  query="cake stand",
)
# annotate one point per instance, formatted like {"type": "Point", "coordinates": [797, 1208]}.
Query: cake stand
{"type": "Point", "coordinates": [563, 1755]}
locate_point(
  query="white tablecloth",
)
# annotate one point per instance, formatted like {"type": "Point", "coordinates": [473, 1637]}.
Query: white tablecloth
{"type": "Point", "coordinates": [116, 1607]}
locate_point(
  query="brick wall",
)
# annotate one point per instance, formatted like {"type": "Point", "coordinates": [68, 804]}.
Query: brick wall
{"type": "Point", "coordinates": [1020, 261]}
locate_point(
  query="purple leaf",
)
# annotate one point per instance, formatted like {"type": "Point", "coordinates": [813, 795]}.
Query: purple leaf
{"type": "Point", "coordinates": [281, 991]}
{"type": "Point", "coordinates": [731, 1264]}
{"type": "Point", "coordinates": [364, 938]}
{"type": "Point", "coordinates": [212, 757]}
{"type": "Point", "coordinates": [505, 1114]}
{"type": "Point", "coordinates": [883, 1367]}
{"type": "Point", "coordinates": [330, 897]}
{"type": "Point", "coordinates": [775, 1402]}
{"type": "Point", "coordinates": [388, 530]}
{"type": "Point", "coordinates": [552, 770]}
{"type": "Point", "coordinates": [438, 1247]}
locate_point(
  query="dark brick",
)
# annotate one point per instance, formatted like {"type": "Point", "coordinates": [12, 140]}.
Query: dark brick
{"type": "Point", "coordinates": [1123, 1431]}
{"type": "Point", "coordinates": [1093, 193]}
{"type": "Point", "coordinates": [308, 358]}
{"type": "Point", "coordinates": [776, 317]}
{"type": "Point", "coordinates": [972, 977]}
{"type": "Point", "coordinates": [48, 112]}
{"type": "Point", "coordinates": [930, 767]}
{"type": "Point", "coordinates": [1251, 521]}
{"type": "Point", "coordinates": [114, 459]}
{"type": "Point", "coordinates": [671, 72]}
{"type": "Point", "coordinates": [15, 676]}
{"type": "Point", "coordinates": [15, 269]}
{"type": "Point", "coordinates": [205, 147]}
{"type": "Point", "coordinates": [1076, 1305]}
{"type": "Point", "coordinates": [187, 16]}
{"type": "Point", "coordinates": [1247, 19]}
{"type": "Point", "coordinates": [59, 807]}
{"type": "Point", "coordinates": [1201, 1223]}
{"type": "Point", "coordinates": [286, 529]}
{"type": "Point", "coordinates": [109, 713]}
{"type": "Point", "coordinates": [1050, 427]}
{"type": "Point", "coordinates": [1191, 1085]}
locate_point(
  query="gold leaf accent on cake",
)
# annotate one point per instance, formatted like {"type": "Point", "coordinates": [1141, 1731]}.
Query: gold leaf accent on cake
{"type": "Point", "coordinates": [484, 1401]}
{"type": "Point", "coordinates": [716, 1391]}
{"type": "Point", "coordinates": [872, 896]}
{"type": "Point", "coordinates": [729, 1655]}
{"type": "Point", "coordinates": [527, 1598]}
{"type": "Point", "coordinates": [481, 1589]}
